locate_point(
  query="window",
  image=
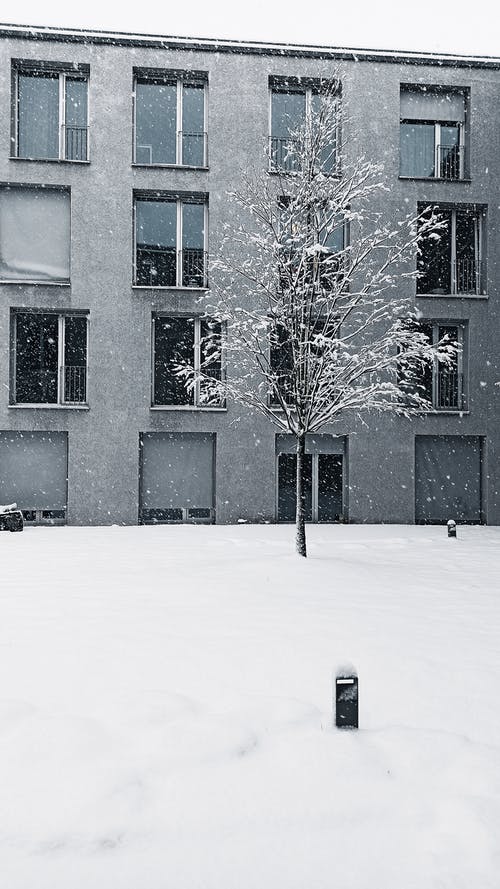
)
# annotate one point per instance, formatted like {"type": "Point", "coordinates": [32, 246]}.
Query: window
{"type": "Point", "coordinates": [442, 383]}
{"type": "Point", "coordinates": [295, 110]}
{"type": "Point", "coordinates": [51, 120]}
{"type": "Point", "coordinates": [170, 121]}
{"type": "Point", "coordinates": [450, 259]}
{"type": "Point", "coordinates": [432, 133]}
{"type": "Point", "coordinates": [34, 474]}
{"type": "Point", "coordinates": [179, 341]}
{"type": "Point", "coordinates": [312, 247]}
{"type": "Point", "coordinates": [319, 335]}
{"type": "Point", "coordinates": [50, 358]}
{"type": "Point", "coordinates": [177, 477]}
{"type": "Point", "coordinates": [170, 241]}
{"type": "Point", "coordinates": [34, 234]}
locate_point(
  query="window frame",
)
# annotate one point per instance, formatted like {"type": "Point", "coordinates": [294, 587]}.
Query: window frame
{"type": "Point", "coordinates": [479, 218]}
{"type": "Point", "coordinates": [177, 79]}
{"type": "Point", "coordinates": [308, 88]}
{"type": "Point", "coordinates": [179, 199]}
{"type": "Point", "coordinates": [196, 404]}
{"type": "Point", "coordinates": [63, 74]}
{"type": "Point", "coordinates": [61, 402]}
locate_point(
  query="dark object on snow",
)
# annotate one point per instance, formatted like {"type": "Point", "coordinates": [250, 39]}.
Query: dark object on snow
{"type": "Point", "coordinates": [452, 528]}
{"type": "Point", "coordinates": [11, 518]}
{"type": "Point", "coordinates": [346, 701]}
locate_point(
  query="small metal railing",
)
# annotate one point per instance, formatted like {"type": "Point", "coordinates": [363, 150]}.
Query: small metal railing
{"type": "Point", "coordinates": [75, 143]}
{"type": "Point", "coordinates": [449, 390]}
{"type": "Point", "coordinates": [467, 275]}
{"type": "Point", "coordinates": [166, 267]}
{"type": "Point", "coordinates": [74, 384]}
{"type": "Point", "coordinates": [284, 154]}
{"type": "Point", "coordinates": [450, 161]}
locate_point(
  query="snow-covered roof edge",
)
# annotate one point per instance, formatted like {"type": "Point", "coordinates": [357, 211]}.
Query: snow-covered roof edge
{"type": "Point", "coordinates": [118, 38]}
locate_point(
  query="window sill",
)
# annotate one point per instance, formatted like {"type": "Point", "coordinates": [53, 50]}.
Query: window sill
{"type": "Point", "coordinates": [452, 296]}
{"type": "Point", "coordinates": [50, 407]}
{"type": "Point", "coordinates": [176, 288]}
{"type": "Point", "coordinates": [447, 413]}
{"type": "Point", "coordinates": [188, 407]}
{"type": "Point", "coordinates": [25, 281]}
{"type": "Point", "coordinates": [203, 169]}
{"type": "Point", "coordinates": [50, 160]}
{"type": "Point", "coordinates": [465, 179]}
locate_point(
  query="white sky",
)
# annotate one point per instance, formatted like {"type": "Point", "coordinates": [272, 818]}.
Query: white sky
{"type": "Point", "coordinates": [463, 26]}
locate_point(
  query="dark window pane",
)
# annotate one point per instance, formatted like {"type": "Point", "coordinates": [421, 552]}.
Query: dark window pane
{"type": "Point", "coordinates": [193, 124]}
{"type": "Point", "coordinates": [193, 239]}
{"type": "Point", "coordinates": [174, 345]}
{"type": "Point", "coordinates": [210, 358]}
{"type": "Point", "coordinates": [36, 358]}
{"type": "Point", "coordinates": [467, 271]}
{"type": "Point", "coordinates": [448, 382]}
{"type": "Point", "coordinates": [282, 363]}
{"type": "Point", "coordinates": [38, 116]}
{"type": "Point", "coordinates": [287, 487]}
{"type": "Point", "coordinates": [329, 487]}
{"type": "Point", "coordinates": [75, 359]}
{"type": "Point", "coordinates": [156, 123]}
{"type": "Point", "coordinates": [417, 149]}
{"type": "Point", "coordinates": [156, 224]}
{"type": "Point", "coordinates": [76, 119]}
{"type": "Point", "coordinates": [434, 261]}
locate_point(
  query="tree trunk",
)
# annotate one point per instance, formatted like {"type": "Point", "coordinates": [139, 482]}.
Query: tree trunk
{"type": "Point", "coordinates": [300, 523]}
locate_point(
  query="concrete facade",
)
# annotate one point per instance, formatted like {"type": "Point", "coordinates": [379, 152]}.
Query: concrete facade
{"type": "Point", "coordinates": [103, 438]}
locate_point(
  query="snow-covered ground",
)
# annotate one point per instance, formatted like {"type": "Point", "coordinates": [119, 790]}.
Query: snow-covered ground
{"type": "Point", "coordinates": [166, 720]}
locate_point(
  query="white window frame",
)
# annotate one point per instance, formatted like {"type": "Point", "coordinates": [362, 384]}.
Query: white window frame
{"type": "Point", "coordinates": [179, 201]}
{"type": "Point", "coordinates": [179, 82]}
{"type": "Point", "coordinates": [196, 404]}
{"type": "Point", "coordinates": [61, 342]}
{"type": "Point", "coordinates": [62, 77]}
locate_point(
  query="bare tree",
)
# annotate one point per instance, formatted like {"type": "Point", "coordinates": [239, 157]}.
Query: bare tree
{"type": "Point", "coordinates": [308, 291]}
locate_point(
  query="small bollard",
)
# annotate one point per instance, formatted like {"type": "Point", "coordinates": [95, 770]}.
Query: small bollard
{"type": "Point", "coordinates": [452, 528]}
{"type": "Point", "coordinates": [346, 701]}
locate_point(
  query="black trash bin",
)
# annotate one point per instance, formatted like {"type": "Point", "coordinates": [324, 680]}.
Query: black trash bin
{"type": "Point", "coordinates": [11, 518]}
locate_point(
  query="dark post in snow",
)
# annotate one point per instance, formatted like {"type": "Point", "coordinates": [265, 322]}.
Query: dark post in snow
{"type": "Point", "coordinates": [452, 528]}
{"type": "Point", "coordinates": [346, 700]}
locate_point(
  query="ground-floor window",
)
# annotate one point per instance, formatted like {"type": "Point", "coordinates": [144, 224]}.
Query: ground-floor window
{"type": "Point", "coordinates": [34, 474]}
{"type": "Point", "coordinates": [448, 471]}
{"type": "Point", "coordinates": [177, 477]}
{"type": "Point", "coordinates": [324, 478]}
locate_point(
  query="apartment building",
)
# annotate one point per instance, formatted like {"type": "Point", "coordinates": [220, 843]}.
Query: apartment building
{"type": "Point", "coordinates": [118, 154]}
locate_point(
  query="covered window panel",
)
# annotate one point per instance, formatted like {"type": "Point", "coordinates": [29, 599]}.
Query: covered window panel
{"type": "Point", "coordinates": [173, 346]}
{"type": "Point", "coordinates": [34, 234]}
{"type": "Point", "coordinates": [417, 149]}
{"type": "Point", "coordinates": [448, 478]}
{"type": "Point", "coordinates": [177, 471]}
{"type": "Point", "coordinates": [34, 469]}
{"type": "Point", "coordinates": [38, 115]}
{"type": "Point", "coordinates": [438, 105]}
{"type": "Point", "coordinates": [155, 122]}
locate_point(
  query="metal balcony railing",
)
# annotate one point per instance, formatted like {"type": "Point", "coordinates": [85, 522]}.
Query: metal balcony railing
{"type": "Point", "coordinates": [449, 390]}
{"type": "Point", "coordinates": [75, 143]}
{"type": "Point", "coordinates": [284, 154]}
{"type": "Point", "coordinates": [192, 149]}
{"type": "Point", "coordinates": [164, 267]}
{"type": "Point", "coordinates": [74, 384]}
{"type": "Point", "coordinates": [467, 275]}
{"type": "Point", "coordinates": [450, 161]}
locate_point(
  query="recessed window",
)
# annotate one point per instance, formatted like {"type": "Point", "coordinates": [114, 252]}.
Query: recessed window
{"type": "Point", "coordinates": [432, 133]}
{"type": "Point", "coordinates": [170, 121]}
{"type": "Point", "coordinates": [50, 358]}
{"type": "Point", "coordinates": [51, 115]}
{"type": "Point", "coordinates": [296, 110]}
{"type": "Point", "coordinates": [177, 477]}
{"type": "Point", "coordinates": [442, 383]}
{"type": "Point", "coordinates": [34, 234]}
{"type": "Point", "coordinates": [180, 341]}
{"type": "Point", "coordinates": [170, 242]}
{"type": "Point", "coordinates": [450, 260]}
